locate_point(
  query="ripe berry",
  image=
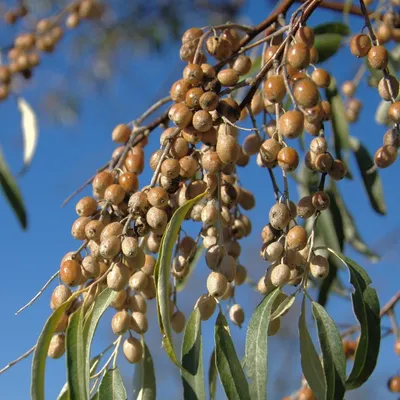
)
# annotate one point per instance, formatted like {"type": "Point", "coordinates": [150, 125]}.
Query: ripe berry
{"type": "Point", "coordinates": [193, 74]}
{"type": "Point", "coordinates": [321, 200]}
{"type": "Point", "coordinates": [180, 115]}
{"type": "Point", "coordinates": [275, 89]}
{"type": "Point", "coordinates": [338, 170]}
{"type": "Point", "coordinates": [394, 384]}
{"type": "Point", "coordinates": [86, 206]}
{"type": "Point", "coordinates": [394, 112]}
{"type": "Point", "coordinates": [385, 156]}
{"type": "Point", "coordinates": [179, 90]}
{"type": "Point", "coordinates": [121, 133]}
{"type": "Point", "coordinates": [129, 182]}
{"type": "Point", "coordinates": [70, 273]}
{"type": "Point", "coordinates": [296, 238]}
{"type": "Point", "coordinates": [279, 216]}
{"type": "Point", "coordinates": [306, 93]}
{"type": "Point", "coordinates": [321, 77]}
{"type": "Point", "coordinates": [291, 124]}
{"type": "Point", "coordinates": [305, 35]}
{"type": "Point", "coordinates": [387, 87]}
{"type": "Point", "coordinates": [323, 162]}
{"type": "Point", "coordinates": [133, 350]}
{"type": "Point", "coordinates": [360, 45]}
{"type": "Point", "coordinates": [288, 159]}
{"type": "Point", "coordinates": [228, 77]}
{"type": "Point", "coordinates": [219, 47]}
{"type": "Point", "coordinates": [298, 56]}
{"type": "Point", "coordinates": [378, 57]}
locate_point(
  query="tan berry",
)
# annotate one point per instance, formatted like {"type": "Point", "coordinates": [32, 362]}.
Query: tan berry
{"type": "Point", "coordinates": [138, 322]}
{"type": "Point", "coordinates": [56, 346]}
{"type": "Point", "coordinates": [385, 156]}
{"type": "Point", "coordinates": [305, 207]}
{"type": "Point", "coordinates": [291, 124]}
{"type": "Point", "coordinates": [178, 321]}
{"type": "Point", "coordinates": [180, 115]}
{"type": "Point", "coordinates": [202, 121]}
{"type": "Point", "coordinates": [236, 314]}
{"type": "Point", "coordinates": [321, 77]}
{"type": "Point", "coordinates": [120, 322]}
{"type": "Point", "coordinates": [296, 238]}
{"type": "Point", "coordinates": [118, 277]}
{"type": "Point", "coordinates": [193, 74]}
{"type": "Point", "coordinates": [110, 247]}
{"type": "Point", "coordinates": [61, 294]}
{"type": "Point", "coordinates": [86, 206]}
{"type": "Point", "coordinates": [378, 57]}
{"type": "Point", "coordinates": [305, 35]}
{"type": "Point", "coordinates": [319, 267]}
{"type": "Point", "coordinates": [279, 216]}
{"type": "Point", "coordinates": [338, 170]}
{"type": "Point", "coordinates": [306, 93]}
{"type": "Point", "coordinates": [388, 88]}
{"type": "Point", "coordinates": [321, 200]}
{"type": "Point", "coordinates": [298, 56]}
{"type": "Point", "coordinates": [275, 89]}
{"type": "Point", "coordinates": [216, 284]}
{"type": "Point", "coordinates": [121, 133]}
{"type": "Point", "coordinates": [70, 273]}
{"type": "Point", "coordinates": [206, 305]}
{"type": "Point", "coordinates": [133, 350]}
{"type": "Point", "coordinates": [394, 112]}
{"type": "Point", "coordinates": [228, 77]}
{"type": "Point", "coordinates": [288, 159]}
{"type": "Point", "coordinates": [280, 275]}
{"type": "Point", "coordinates": [179, 90]}
{"type": "Point", "coordinates": [360, 45]}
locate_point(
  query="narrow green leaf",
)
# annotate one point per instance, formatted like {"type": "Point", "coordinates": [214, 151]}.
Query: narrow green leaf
{"type": "Point", "coordinates": [111, 386]}
{"type": "Point", "coordinates": [162, 273]}
{"type": "Point", "coordinates": [256, 346]}
{"type": "Point", "coordinates": [334, 361]}
{"type": "Point", "coordinates": [366, 308]}
{"type": "Point", "coordinates": [340, 125]}
{"type": "Point", "coordinates": [283, 306]}
{"type": "Point", "coordinates": [30, 131]}
{"type": "Point", "coordinates": [372, 180]}
{"type": "Point", "coordinates": [192, 359]}
{"type": "Point", "coordinates": [11, 191]}
{"type": "Point", "coordinates": [327, 45]}
{"type": "Point", "coordinates": [332, 27]}
{"type": "Point", "coordinates": [228, 365]}
{"type": "Point", "coordinates": [144, 379]}
{"type": "Point", "coordinates": [77, 371]}
{"type": "Point", "coordinates": [212, 376]}
{"type": "Point", "coordinates": [310, 362]}
{"type": "Point", "coordinates": [64, 393]}
{"type": "Point", "coordinates": [40, 354]}
{"type": "Point", "coordinates": [181, 283]}
{"type": "Point", "coordinates": [350, 231]}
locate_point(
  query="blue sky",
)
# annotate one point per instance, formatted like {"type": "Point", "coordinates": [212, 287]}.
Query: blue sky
{"type": "Point", "coordinates": [66, 156]}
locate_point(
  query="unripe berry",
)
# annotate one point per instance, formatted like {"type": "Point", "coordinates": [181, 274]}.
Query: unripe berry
{"type": "Point", "coordinates": [206, 305]}
{"type": "Point", "coordinates": [321, 200]}
{"type": "Point", "coordinates": [133, 350]}
{"type": "Point", "coordinates": [305, 207]}
{"type": "Point", "coordinates": [216, 284]}
{"type": "Point", "coordinates": [61, 293]}
{"type": "Point", "coordinates": [110, 247]}
{"type": "Point", "coordinates": [138, 322]}
{"type": "Point", "coordinates": [273, 251]}
{"type": "Point", "coordinates": [360, 45]}
{"type": "Point", "coordinates": [291, 124]}
{"type": "Point", "coordinates": [56, 346]}
{"type": "Point", "coordinates": [120, 322]}
{"type": "Point", "coordinates": [178, 321]}
{"type": "Point", "coordinates": [319, 267]}
{"type": "Point", "coordinates": [118, 277]}
{"type": "Point", "coordinates": [280, 275]}
{"type": "Point", "coordinates": [70, 273]}
{"type": "Point", "coordinates": [385, 156]}
{"type": "Point", "coordinates": [288, 159]}
{"type": "Point", "coordinates": [90, 267]}
{"type": "Point", "coordinates": [236, 314]}
{"type": "Point", "coordinates": [279, 216]}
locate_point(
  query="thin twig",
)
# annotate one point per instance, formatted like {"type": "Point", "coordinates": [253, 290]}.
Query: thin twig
{"type": "Point", "coordinates": [153, 108]}
{"type": "Point", "coordinates": [54, 276]}
{"type": "Point", "coordinates": [17, 360]}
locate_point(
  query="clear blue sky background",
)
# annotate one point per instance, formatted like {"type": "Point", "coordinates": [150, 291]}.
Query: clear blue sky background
{"type": "Point", "coordinates": [68, 155]}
